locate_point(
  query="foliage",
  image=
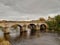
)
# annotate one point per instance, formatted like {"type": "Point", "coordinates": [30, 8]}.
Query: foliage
{"type": "Point", "coordinates": [51, 24]}
{"type": "Point", "coordinates": [57, 18]}
{"type": "Point", "coordinates": [54, 24]}
{"type": "Point", "coordinates": [1, 27]}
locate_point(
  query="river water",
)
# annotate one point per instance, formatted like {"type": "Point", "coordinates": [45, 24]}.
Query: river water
{"type": "Point", "coordinates": [41, 39]}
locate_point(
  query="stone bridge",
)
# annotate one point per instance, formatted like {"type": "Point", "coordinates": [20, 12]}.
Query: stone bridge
{"type": "Point", "coordinates": [23, 24]}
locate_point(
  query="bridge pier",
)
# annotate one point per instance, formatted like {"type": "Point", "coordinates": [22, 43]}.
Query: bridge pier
{"type": "Point", "coordinates": [6, 33]}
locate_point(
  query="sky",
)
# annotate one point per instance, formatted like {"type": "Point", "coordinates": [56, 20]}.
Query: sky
{"type": "Point", "coordinates": [28, 9]}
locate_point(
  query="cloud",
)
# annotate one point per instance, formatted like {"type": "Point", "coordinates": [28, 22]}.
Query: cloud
{"type": "Point", "coordinates": [7, 13]}
{"type": "Point", "coordinates": [28, 9]}
{"type": "Point", "coordinates": [34, 6]}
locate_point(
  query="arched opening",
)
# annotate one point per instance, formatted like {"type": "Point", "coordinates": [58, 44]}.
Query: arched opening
{"type": "Point", "coordinates": [42, 27]}
{"type": "Point", "coordinates": [20, 29]}
{"type": "Point", "coordinates": [15, 30]}
{"type": "Point", "coordinates": [32, 27]}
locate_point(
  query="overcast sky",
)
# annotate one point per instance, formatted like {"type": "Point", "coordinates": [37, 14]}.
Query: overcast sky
{"type": "Point", "coordinates": [28, 9]}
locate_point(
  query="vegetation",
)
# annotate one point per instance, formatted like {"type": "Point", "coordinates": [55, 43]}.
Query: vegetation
{"type": "Point", "coordinates": [1, 27]}
{"type": "Point", "coordinates": [51, 25]}
{"type": "Point", "coordinates": [57, 18]}
{"type": "Point", "coordinates": [54, 24]}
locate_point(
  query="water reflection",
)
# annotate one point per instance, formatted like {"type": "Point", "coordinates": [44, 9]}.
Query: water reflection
{"type": "Point", "coordinates": [44, 39]}
{"type": "Point", "coordinates": [27, 39]}
{"type": "Point", "coordinates": [15, 35]}
{"type": "Point", "coordinates": [14, 32]}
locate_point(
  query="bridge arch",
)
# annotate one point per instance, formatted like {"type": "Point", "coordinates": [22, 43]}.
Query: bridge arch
{"type": "Point", "coordinates": [43, 27]}
{"type": "Point", "coordinates": [17, 29]}
{"type": "Point", "coordinates": [32, 27]}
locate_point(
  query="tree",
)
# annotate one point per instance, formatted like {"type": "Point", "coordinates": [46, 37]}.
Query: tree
{"type": "Point", "coordinates": [51, 25]}
{"type": "Point", "coordinates": [57, 18]}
